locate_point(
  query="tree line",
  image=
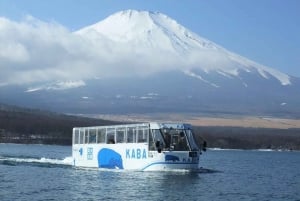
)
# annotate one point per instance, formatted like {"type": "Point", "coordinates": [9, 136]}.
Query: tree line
{"type": "Point", "coordinates": [22, 125]}
{"type": "Point", "coordinates": [250, 138]}
{"type": "Point", "coordinates": [19, 125]}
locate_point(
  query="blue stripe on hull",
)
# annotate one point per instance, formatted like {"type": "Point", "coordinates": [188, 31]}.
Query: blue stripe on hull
{"type": "Point", "coordinates": [168, 163]}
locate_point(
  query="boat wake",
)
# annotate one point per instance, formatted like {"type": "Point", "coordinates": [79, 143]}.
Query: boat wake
{"type": "Point", "coordinates": [207, 171]}
{"type": "Point", "coordinates": [42, 162]}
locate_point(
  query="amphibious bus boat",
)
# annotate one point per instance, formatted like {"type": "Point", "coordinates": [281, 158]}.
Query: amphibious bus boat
{"type": "Point", "coordinates": [141, 147]}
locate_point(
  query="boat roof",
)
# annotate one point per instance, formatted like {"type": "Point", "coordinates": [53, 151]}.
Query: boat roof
{"type": "Point", "coordinates": [152, 125]}
{"type": "Point", "coordinates": [155, 125]}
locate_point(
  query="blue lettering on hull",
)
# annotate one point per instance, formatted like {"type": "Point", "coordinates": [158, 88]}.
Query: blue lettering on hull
{"type": "Point", "coordinates": [136, 153]}
{"type": "Point", "coordinates": [80, 151]}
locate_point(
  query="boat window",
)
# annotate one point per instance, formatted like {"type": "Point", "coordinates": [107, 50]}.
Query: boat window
{"type": "Point", "coordinates": [76, 136]}
{"type": "Point", "coordinates": [142, 133]}
{"type": "Point", "coordinates": [175, 139]}
{"type": "Point", "coordinates": [131, 135]}
{"type": "Point", "coordinates": [191, 140]}
{"type": "Point", "coordinates": [92, 135]}
{"type": "Point", "coordinates": [110, 136]}
{"type": "Point", "coordinates": [179, 142]}
{"type": "Point", "coordinates": [81, 138]}
{"type": "Point", "coordinates": [167, 137]}
{"type": "Point", "coordinates": [101, 135]}
{"type": "Point", "coordinates": [121, 135]}
{"type": "Point", "coordinates": [86, 135]}
{"type": "Point", "coordinates": [151, 142]}
{"type": "Point", "coordinates": [158, 139]}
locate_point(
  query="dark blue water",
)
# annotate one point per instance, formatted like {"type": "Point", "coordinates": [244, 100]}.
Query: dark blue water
{"type": "Point", "coordinates": [40, 172]}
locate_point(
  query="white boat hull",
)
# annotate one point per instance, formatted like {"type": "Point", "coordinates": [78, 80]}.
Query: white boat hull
{"type": "Point", "coordinates": [132, 156]}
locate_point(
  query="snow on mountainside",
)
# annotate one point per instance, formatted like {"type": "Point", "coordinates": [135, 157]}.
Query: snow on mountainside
{"type": "Point", "coordinates": [152, 33]}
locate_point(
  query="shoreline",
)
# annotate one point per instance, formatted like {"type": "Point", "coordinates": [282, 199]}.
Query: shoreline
{"type": "Point", "coordinates": [208, 149]}
{"type": "Point", "coordinates": [260, 150]}
{"type": "Point", "coordinates": [198, 120]}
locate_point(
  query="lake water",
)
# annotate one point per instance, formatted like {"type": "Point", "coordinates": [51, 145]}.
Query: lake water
{"type": "Point", "coordinates": [42, 172]}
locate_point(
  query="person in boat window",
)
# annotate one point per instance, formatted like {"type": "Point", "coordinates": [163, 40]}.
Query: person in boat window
{"type": "Point", "coordinates": [158, 146]}
{"type": "Point", "coordinates": [181, 144]}
{"type": "Point", "coordinates": [167, 138]}
{"type": "Point", "coordinates": [111, 141]}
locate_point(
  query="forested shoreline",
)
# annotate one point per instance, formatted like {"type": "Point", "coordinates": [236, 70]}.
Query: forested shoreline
{"type": "Point", "coordinates": [22, 125]}
{"type": "Point", "coordinates": [250, 138]}
{"type": "Point", "coordinates": [29, 126]}
{"type": "Point", "coordinates": [216, 137]}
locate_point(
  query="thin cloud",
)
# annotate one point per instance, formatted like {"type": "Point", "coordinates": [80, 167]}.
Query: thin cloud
{"type": "Point", "coordinates": [57, 86]}
{"type": "Point", "coordinates": [33, 51]}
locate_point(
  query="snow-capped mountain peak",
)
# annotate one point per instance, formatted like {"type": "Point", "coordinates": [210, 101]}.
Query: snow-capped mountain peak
{"type": "Point", "coordinates": [153, 35]}
{"type": "Point", "coordinates": [151, 29]}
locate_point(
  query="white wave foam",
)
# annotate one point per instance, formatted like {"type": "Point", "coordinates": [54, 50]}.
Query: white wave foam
{"type": "Point", "coordinates": [65, 161]}
{"type": "Point", "coordinates": [222, 149]}
{"type": "Point", "coordinates": [264, 150]}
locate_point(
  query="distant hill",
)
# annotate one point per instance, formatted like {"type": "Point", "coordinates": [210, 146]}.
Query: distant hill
{"type": "Point", "coordinates": [25, 125]}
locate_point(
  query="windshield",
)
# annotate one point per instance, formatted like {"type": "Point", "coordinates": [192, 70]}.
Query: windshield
{"type": "Point", "coordinates": [192, 140]}
{"type": "Point", "coordinates": [174, 139]}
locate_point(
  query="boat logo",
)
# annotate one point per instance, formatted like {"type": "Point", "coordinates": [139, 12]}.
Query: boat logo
{"type": "Point", "coordinates": [171, 158]}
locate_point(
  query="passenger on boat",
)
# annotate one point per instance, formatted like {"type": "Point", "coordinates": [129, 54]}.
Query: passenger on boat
{"type": "Point", "coordinates": [111, 141]}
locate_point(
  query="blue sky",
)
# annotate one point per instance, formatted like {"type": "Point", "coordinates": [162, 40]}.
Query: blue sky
{"type": "Point", "coordinates": [266, 31]}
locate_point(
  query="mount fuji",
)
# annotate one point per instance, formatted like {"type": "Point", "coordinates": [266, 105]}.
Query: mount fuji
{"type": "Point", "coordinates": [147, 62]}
